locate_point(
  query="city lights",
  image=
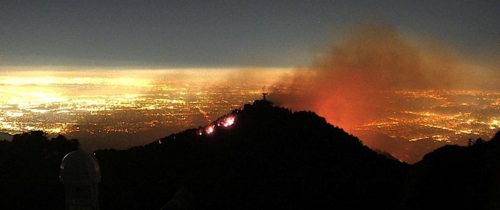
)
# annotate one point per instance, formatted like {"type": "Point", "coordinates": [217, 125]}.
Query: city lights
{"type": "Point", "coordinates": [446, 119]}
{"type": "Point", "coordinates": [98, 106]}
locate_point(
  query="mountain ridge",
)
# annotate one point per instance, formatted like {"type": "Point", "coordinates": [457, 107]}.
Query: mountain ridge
{"type": "Point", "coordinates": [279, 158]}
{"type": "Point", "coordinates": [260, 156]}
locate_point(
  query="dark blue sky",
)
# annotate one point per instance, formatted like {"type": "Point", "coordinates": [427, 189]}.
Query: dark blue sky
{"type": "Point", "coordinates": [203, 33]}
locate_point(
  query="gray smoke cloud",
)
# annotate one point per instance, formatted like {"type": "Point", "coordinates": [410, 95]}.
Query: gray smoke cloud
{"type": "Point", "coordinates": [347, 83]}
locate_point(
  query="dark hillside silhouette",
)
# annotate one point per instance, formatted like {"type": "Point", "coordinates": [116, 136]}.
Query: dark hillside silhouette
{"type": "Point", "coordinates": [259, 157]}
{"type": "Point", "coordinates": [29, 171]}
{"type": "Point", "coordinates": [456, 177]}
{"type": "Point", "coordinates": [270, 157]}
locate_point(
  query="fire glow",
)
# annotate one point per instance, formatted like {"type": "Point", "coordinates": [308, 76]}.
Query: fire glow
{"type": "Point", "coordinates": [228, 121]}
{"type": "Point", "coordinates": [210, 129]}
{"type": "Point", "coordinates": [224, 122]}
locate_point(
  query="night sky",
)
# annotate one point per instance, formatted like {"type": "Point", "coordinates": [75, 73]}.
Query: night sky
{"type": "Point", "coordinates": [200, 33]}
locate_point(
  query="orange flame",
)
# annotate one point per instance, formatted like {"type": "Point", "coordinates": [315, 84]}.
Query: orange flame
{"type": "Point", "coordinates": [228, 121]}
{"type": "Point", "coordinates": [210, 129]}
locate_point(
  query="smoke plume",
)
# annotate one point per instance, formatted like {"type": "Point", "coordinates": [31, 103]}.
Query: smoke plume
{"type": "Point", "coordinates": [346, 84]}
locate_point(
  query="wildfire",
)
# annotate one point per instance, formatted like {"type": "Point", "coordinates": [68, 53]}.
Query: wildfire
{"type": "Point", "coordinates": [228, 121]}
{"type": "Point", "coordinates": [225, 122]}
{"type": "Point", "coordinates": [210, 129]}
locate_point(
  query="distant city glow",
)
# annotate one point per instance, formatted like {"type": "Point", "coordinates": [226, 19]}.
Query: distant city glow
{"type": "Point", "coordinates": [443, 118]}
{"type": "Point", "coordinates": [124, 101]}
{"type": "Point", "coordinates": [101, 106]}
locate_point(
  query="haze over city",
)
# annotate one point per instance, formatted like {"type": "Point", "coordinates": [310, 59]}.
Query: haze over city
{"type": "Point", "coordinates": [125, 73]}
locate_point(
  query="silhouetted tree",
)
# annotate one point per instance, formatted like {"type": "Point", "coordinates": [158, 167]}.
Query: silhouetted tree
{"type": "Point", "coordinates": [60, 146]}
{"type": "Point", "coordinates": [31, 146]}
{"type": "Point", "coordinates": [29, 170]}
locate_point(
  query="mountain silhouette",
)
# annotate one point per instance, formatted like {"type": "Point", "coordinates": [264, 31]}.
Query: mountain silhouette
{"type": "Point", "coordinates": [259, 157]}
{"type": "Point", "coordinates": [270, 157]}
{"type": "Point", "coordinates": [29, 171]}
{"type": "Point", "coordinates": [456, 177]}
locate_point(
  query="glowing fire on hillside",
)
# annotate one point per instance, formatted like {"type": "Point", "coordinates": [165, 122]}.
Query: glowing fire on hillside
{"type": "Point", "coordinates": [224, 122]}
{"type": "Point", "coordinates": [228, 121]}
{"type": "Point", "coordinates": [210, 129]}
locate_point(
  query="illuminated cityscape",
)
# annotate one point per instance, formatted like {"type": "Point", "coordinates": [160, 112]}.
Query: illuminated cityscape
{"type": "Point", "coordinates": [95, 107]}
{"type": "Point", "coordinates": [441, 115]}
{"type": "Point", "coordinates": [30, 107]}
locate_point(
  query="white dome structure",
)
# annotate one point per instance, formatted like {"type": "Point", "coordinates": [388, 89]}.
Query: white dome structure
{"type": "Point", "coordinates": [79, 168]}
{"type": "Point", "coordinates": [80, 174]}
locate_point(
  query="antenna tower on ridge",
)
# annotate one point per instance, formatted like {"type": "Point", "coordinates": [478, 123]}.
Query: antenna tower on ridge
{"type": "Point", "coordinates": [264, 93]}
